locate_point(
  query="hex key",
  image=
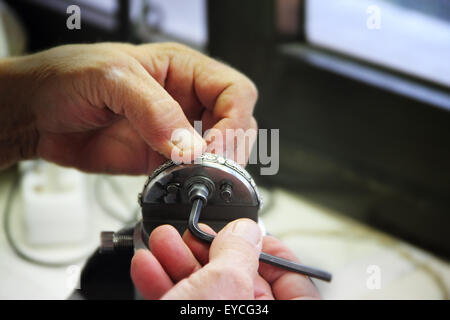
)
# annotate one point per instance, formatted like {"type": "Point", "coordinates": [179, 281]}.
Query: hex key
{"type": "Point", "coordinates": [197, 206]}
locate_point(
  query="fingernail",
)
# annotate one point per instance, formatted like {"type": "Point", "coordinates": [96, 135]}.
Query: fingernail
{"type": "Point", "coordinates": [248, 230]}
{"type": "Point", "coordinates": [189, 144]}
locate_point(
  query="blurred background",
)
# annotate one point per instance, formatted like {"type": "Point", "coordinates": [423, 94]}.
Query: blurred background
{"type": "Point", "coordinates": [360, 92]}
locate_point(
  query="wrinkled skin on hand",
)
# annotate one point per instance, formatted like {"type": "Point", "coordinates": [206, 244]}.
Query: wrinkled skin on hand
{"type": "Point", "coordinates": [187, 268]}
{"type": "Point", "coordinates": [112, 107]}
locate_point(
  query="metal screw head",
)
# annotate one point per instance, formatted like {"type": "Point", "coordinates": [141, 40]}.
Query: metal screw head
{"type": "Point", "coordinates": [172, 187]}
{"type": "Point", "coordinates": [107, 242]}
{"type": "Point", "coordinates": [226, 191]}
{"type": "Point", "coordinates": [200, 180]}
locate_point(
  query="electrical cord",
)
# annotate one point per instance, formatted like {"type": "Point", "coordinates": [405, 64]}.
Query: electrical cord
{"type": "Point", "coordinates": [118, 191]}
{"type": "Point", "coordinates": [12, 242]}
{"type": "Point", "coordinates": [7, 212]}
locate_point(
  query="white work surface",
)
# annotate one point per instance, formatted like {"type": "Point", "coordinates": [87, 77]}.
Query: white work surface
{"type": "Point", "coordinates": [319, 236]}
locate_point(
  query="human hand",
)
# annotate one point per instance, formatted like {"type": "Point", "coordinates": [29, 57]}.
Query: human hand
{"type": "Point", "coordinates": [186, 268]}
{"type": "Point", "coordinates": [112, 107]}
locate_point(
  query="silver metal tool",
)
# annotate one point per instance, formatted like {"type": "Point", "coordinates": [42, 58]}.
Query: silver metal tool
{"type": "Point", "coordinates": [214, 190]}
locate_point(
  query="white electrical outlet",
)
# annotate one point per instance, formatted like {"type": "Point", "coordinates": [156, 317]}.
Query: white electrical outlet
{"type": "Point", "coordinates": [55, 204]}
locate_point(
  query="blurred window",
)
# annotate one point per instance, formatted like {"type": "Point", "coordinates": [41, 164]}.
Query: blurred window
{"type": "Point", "coordinates": [181, 19]}
{"type": "Point", "coordinates": [411, 36]}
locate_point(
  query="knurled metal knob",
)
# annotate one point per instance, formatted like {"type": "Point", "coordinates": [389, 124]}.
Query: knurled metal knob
{"type": "Point", "coordinates": [112, 242]}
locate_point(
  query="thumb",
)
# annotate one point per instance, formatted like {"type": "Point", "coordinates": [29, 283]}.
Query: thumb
{"type": "Point", "coordinates": [239, 245]}
{"type": "Point", "coordinates": [232, 267]}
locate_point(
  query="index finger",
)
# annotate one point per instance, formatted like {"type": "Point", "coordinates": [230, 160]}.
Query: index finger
{"type": "Point", "coordinates": [208, 90]}
{"type": "Point", "coordinates": [229, 98]}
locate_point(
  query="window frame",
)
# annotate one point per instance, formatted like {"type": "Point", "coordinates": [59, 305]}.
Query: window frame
{"type": "Point", "coordinates": [403, 168]}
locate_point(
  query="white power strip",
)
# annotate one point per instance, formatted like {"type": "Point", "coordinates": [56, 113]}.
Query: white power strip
{"type": "Point", "coordinates": [55, 204]}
